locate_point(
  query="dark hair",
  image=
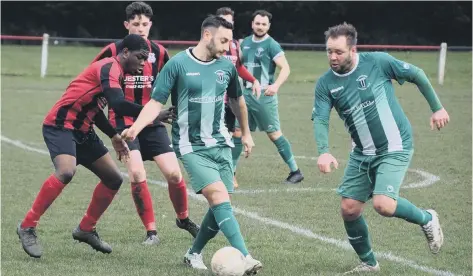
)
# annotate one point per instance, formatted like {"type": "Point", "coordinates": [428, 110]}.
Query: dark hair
{"type": "Point", "coordinates": [134, 42]}
{"type": "Point", "coordinates": [138, 8]}
{"type": "Point", "coordinates": [225, 11]}
{"type": "Point", "coordinates": [262, 13]}
{"type": "Point", "coordinates": [215, 22]}
{"type": "Point", "coordinates": [344, 29]}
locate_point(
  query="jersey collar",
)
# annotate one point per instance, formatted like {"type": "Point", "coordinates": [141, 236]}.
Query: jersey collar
{"type": "Point", "coordinates": [351, 71]}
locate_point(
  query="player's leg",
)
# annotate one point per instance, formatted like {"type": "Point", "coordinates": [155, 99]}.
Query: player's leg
{"type": "Point", "coordinates": [63, 154]}
{"type": "Point", "coordinates": [355, 190]}
{"type": "Point", "coordinates": [390, 171]}
{"type": "Point", "coordinates": [204, 173]}
{"type": "Point", "coordinates": [230, 122]}
{"type": "Point", "coordinates": [268, 120]}
{"type": "Point", "coordinates": [140, 191]}
{"type": "Point", "coordinates": [93, 155]}
{"type": "Point", "coordinates": [155, 145]}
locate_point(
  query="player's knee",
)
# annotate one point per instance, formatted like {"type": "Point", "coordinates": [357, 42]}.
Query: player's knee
{"type": "Point", "coordinates": [273, 136]}
{"type": "Point", "coordinates": [137, 174]}
{"type": "Point", "coordinates": [174, 177]}
{"type": "Point", "coordinates": [384, 205]}
{"type": "Point", "coordinates": [351, 209]}
{"type": "Point", "coordinates": [65, 175]}
{"type": "Point", "coordinates": [237, 133]}
{"type": "Point", "coordinates": [216, 193]}
{"type": "Point", "coordinates": [113, 182]}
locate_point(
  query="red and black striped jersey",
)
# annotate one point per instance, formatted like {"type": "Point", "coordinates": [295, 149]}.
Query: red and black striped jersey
{"type": "Point", "coordinates": [137, 87]}
{"type": "Point", "coordinates": [234, 53]}
{"type": "Point", "coordinates": [84, 96]}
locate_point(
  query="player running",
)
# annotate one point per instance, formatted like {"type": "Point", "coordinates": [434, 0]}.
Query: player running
{"type": "Point", "coordinates": [261, 54]}
{"type": "Point", "coordinates": [359, 87]}
{"type": "Point", "coordinates": [197, 80]}
{"type": "Point", "coordinates": [153, 143]}
{"type": "Point", "coordinates": [234, 55]}
{"type": "Point", "coordinates": [71, 140]}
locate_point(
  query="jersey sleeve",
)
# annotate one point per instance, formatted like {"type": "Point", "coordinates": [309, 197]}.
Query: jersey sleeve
{"type": "Point", "coordinates": [275, 50]}
{"type": "Point", "coordinates": [110, 74]}
{"type": "Point", "coordinates": [108, 51]}
{"type": "Point", "coordinates": [393, 68]}
{"type": "Point", "coordinates": [234, 87]}
{"type": "Point", "coordinates": [165, 82]}
{"type": "Point", "coordinates": [321, 115]}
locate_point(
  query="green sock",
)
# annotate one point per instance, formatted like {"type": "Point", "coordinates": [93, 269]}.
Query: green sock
{"type": "Point", "coordinates": [227, 222]}
{"type": "Point", "coordinates": [409, 212]}
{"type": "Point", "coordinates": [359, 238]}
{"type": "Point", "coordinates": [208, 230]}
{"type": "Point", "coordinates": [236, 151]}
{"type": "Point", "coordinates": [284, 149]}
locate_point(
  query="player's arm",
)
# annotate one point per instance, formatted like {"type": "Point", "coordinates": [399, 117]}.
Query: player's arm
{"type": "Point", "coordinates": [159, 96]}
{"type": "Point", "coordinates": [403, 71]}
{"type": "Point", "coordinates": [118, 144]}
{"type": "Point", "coordinates": [110, 84]}
{"type": "Point", "coordinates": [285, 70]}
{"type": "Point", "coordinates": [101, 121]}
{"type": "Point", "coordinates": [321, 115]}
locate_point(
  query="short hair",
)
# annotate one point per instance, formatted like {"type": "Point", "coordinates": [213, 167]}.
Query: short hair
{"type": "Point", "coordinates": [215, 22]}
{"type": "Point", "coordinates": [344, 29]}
{"type": "Point", "coordinates": [138, 8]}
{"type": "Point", "coordinates": [134, 42]}
{"type": "Point", "coordinates": [225, 11]}
{"type": "Point", "coordinates": [262, 13]}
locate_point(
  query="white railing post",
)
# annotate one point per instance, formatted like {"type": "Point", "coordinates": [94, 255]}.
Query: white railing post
{"type": "Point", "coordinates": [44, 55]}
{"type": "Point", "coordinates": [442, 62]}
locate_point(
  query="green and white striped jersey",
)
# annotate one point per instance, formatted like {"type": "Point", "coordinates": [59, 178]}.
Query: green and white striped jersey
{"type": "Point", "coordinates": [197, 90]}
{"type": "Point", "coordinates": [258, 57]}
{"type": "Point", "coordinates": [364, 99]}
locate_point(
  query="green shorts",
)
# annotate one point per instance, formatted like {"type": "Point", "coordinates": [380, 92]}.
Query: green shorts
{"type": "Point", "coordinates": [208, 166]}
{"type": "Point", "coordinates": [366, 176]}
{"type": "Point", "coordinates": [262, 113]}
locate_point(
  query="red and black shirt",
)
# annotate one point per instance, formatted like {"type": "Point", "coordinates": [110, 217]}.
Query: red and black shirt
{"type": "Point", "coordinates": [137, 87]}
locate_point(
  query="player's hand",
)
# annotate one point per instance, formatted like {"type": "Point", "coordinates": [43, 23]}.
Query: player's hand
{"type": "Point", "coordinates": [120, 146]}
{"type": "Point", "coordinates": [248, 144]}
{"type": "Point", "coordinates": [129, 134]}
{"type": "Point", "coordinates": [271, 90]}
{"type": "Point", "coordinates": [325, 162]}
{"type": "Point", "coordinates": [256, 89]}
{"type": "Point", "coordinates": [168, 115]}
{"type": "Point", "coordinates": [439, 119]}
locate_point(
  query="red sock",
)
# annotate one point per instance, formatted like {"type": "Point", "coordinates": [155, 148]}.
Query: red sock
{"type": "Point", "coordinates": [144, 204]}
{"type": "Point", "coordinates": [101, 199]}
{"type": "Point", "coordinates": [178, 196]}
{"type": "Point", "coordinates": [50, 190]}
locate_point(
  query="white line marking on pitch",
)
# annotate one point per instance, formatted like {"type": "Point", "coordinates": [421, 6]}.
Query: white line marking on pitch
{"type": "Point", "coordinates": [295, 229]}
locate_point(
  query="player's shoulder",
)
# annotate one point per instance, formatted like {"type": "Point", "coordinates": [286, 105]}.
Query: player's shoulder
{"type": "Point", "coordinates": [156, 46]}
{"type": "Point", "coordinates": [373, 56]}
{"type": "Point", "coordinates": [324, 79]}
{"type": "Point", "coordinates": [247, 40]}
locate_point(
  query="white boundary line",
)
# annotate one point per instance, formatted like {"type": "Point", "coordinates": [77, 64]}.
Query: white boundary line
{"type": "Point", "coordinates": [295, 229]}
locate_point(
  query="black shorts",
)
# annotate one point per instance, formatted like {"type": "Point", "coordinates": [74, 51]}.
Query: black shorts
{"type": "Point", "coordinates": [152, 141]}
{"type": "Point", "coordinates": [229, 118]}
{"type": "Point", "coordinates": [85, 147]}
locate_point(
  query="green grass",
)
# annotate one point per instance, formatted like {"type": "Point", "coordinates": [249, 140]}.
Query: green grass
{"type": "Point", "coordinates": [26, 98]}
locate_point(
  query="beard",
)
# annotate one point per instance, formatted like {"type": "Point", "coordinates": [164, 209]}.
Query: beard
{"type": "Point", "coordinates": [345, 66]}
{"type": "Point", "coordinates": [258, 35]}
{"type": "Point", "coordinates": [213, 53]}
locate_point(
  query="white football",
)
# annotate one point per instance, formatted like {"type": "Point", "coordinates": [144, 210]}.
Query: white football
{"type": "Point", "coordinates": [228, 261]}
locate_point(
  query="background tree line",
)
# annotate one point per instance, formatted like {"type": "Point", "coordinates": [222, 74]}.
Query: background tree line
{"type": "Point", "coordinates": [412, 23]}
